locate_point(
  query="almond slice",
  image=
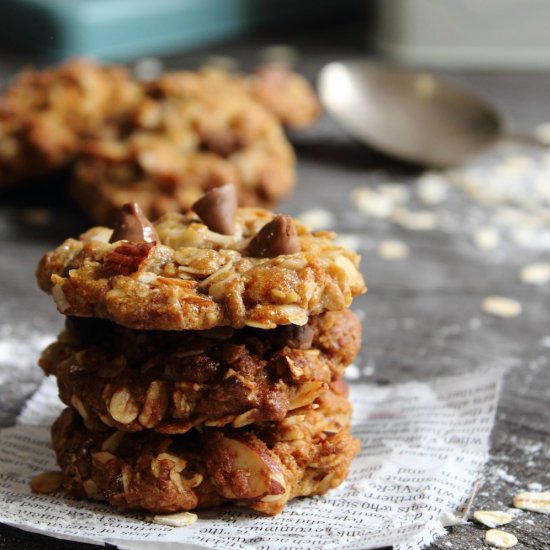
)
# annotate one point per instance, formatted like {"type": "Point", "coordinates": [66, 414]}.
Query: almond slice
{"type": "Point", "coordinates": [123, 407]}
{"type": "Point", "coordinates": [253, 463]}
{"type": "Point", "coordinates": [306, 394]}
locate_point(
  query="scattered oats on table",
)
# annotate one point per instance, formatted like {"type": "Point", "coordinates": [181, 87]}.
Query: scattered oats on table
{"type": "Point", "coordinates": [492, 518]}
{"type": "Point", "coordinates": [537, 273]}
{"type": "Point", "coordinates": [486, 238]}
{"type": "Point", "coordinates": [534, 502]}
{"type": "Point", "coordinates": [392, 250]}
{"type": "Point", "coordinates": [317, 218]}
{"type": "Point", "coordinates": [420, 220]}
{"type": "Point", "coordinates": [432, 188]}
{"type": "Point", "coordinates": [500, 306]}
{"type": "Point", "coordinates": [500, 539]}
{"type": "Point", "coordinates": [372, 203]}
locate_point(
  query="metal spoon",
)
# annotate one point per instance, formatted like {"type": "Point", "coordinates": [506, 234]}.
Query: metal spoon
{"type": "Point", "coordinates": [408, 115]}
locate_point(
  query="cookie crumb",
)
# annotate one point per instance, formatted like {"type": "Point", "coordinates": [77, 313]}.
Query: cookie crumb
{"type": "Point", "coordinates": [500, 306]}
{"type": "Point", "coordinates": [47, 482]}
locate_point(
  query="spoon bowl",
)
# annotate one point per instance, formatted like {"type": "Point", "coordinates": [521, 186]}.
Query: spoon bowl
{"type": "Point", "coordinates": [409, 115]}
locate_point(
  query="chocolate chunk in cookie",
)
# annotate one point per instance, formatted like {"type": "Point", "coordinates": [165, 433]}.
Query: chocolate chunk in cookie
{"type": "Point", "coordinates": [217, 208]}
{"type": "Point", "coordinates": [276, 238]}
{"type": "Point", "coordinates": [131, 225]}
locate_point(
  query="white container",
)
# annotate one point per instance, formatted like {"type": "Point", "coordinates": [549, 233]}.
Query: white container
{"type": "Point", "coordinates": [465, 33]}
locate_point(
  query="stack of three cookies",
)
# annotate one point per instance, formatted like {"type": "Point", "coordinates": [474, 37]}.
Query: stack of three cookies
{"type": "Point", "coordinates": [202, 359]}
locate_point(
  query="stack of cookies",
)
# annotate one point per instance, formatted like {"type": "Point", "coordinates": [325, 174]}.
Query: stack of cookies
{"type": "Point", "coordinates": [202, 358]}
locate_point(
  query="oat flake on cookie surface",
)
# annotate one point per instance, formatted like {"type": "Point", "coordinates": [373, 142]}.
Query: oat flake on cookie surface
{"type": "Point", "coordinates": [182, 275]}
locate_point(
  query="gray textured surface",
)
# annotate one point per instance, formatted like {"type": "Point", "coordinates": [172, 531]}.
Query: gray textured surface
{"type": "Point", "coordinates": [422, 315]}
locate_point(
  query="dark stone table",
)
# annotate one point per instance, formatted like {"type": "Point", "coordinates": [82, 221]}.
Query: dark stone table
{"type": "Point", "coordinates": [421, 316]}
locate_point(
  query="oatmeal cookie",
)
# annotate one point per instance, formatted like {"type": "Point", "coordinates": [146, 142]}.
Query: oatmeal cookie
{"type": "Point", "coordinates": [261, 467]}
{"type": "Point", "coordinates": [287, 94]}
{"type": "Point", "coordinates": [271, 270]}
{"type": "Point", "coordinates": [162, 142]}
{"type": "Point", "coordinates": [171, 381]}
{"type": "Point", "coordinates": [191, 132]}
{"type": "Point", "coordinates": [45, 116]}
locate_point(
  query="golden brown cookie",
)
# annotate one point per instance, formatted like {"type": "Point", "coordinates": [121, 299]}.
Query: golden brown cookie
{"type": "Point", "coordinates": [191, 132]}
{"type": "Point", "coordinates": [261, 467]}
{"type": "Point", "coordinates": [161, 143]}
{"type": "Point", "coordinates": [270, 271]}
{"type": "Point", "coordinates": [286, 94]}
{"type": "Point", "coordinates": [45, 116]}
{"type": "Point", "coordinates": [171, 381]}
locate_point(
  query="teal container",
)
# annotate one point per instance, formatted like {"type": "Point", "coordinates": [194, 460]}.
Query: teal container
{"type": "Point", "coordinates": [125, 29]}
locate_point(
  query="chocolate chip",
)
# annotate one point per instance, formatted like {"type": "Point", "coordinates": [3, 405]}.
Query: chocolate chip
{"type": "Point", "coordinates": [131, 225]}
{"type": "Point", "coordinates": [293, 336]}
{"type": "Point", "coordinates": [217, 208]}
{"type": "Point", "coordinates": [275, 238]}
{"type": "Point", "coordinates": [88, 330]}
{"type": "Point", "coordinates": [223, 143]}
